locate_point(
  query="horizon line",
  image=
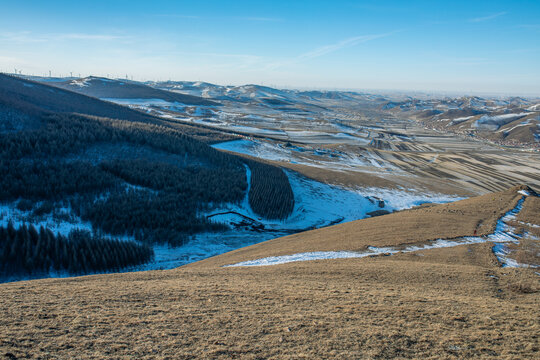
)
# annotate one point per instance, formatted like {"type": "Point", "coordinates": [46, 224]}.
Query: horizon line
{"type": "Point", "coordinates": [422, 91]}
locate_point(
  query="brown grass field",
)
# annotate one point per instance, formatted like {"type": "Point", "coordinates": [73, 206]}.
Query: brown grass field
{"type": "Point", "coordinates": [441, 303]}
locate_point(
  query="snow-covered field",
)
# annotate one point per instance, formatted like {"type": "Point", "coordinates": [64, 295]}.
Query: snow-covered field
{"type": "Point", "coordinates": [256, 120]}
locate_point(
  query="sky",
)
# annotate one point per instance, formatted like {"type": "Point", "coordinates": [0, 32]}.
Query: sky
{"type": "Point", "coordinates": [444, 46]}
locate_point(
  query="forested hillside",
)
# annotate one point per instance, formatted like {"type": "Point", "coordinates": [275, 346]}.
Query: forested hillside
{"type": "Point", "coordinates": [128, 175]}
{"type": "Point", "coordinates": [23, 103]}
{"type": "Point", "coordinates": [27, 251]}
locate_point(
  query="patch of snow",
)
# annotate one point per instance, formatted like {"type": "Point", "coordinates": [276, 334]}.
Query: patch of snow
{"type": "Point", "coordinates": [316, 205]}
{"type": "Point", "coordinates": [460, 120]}
{"type": "Point", "coordinates": [521, 124]}
{"type": "Point", "coordinates": [144, 102]}
{"type": "Point", "coordinates": [259, 149]}
{"type": "Point", "coordinates": [308, 155]}
{"type": "Point", "coordinates": [252, 130]}
{"type": "Point", "coordinates": [9, 212]}
{"type": "Point", "coordinates": [80, 82]}
{"type": "Point", "coordinates": [400, 199]}
{"type": "Point", "coordinates": [203, 246]}
{"type": "Point", "coordinates": [495, 122]}
{"type": "Point", "coordinates": [60, 221]}
{"type": "Point", "coordinates": [308, 256]}
{"type": "Point", "coordinates": [529, 224]}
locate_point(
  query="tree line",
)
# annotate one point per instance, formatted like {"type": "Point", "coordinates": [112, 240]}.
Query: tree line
{"type": "Point", "coordinates": [27, 251]}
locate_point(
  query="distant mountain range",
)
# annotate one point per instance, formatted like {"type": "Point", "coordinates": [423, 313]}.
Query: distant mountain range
{"type": "Point", "coordinates": [508, 121]}
{"type": "Point", "coordinates": [511, 121]}
{"type": "Point", "coordinates": [104, 88]}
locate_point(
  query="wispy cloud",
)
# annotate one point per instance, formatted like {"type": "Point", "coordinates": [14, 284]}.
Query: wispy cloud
{"type": "Point", "coordinates": [327, 49]}
{"type": "Point", "coordinates": [323, 50]}
{"type": "Point", "coordinates": [28, 37]}
{"type": "Point", "coordinates": [487, 18]}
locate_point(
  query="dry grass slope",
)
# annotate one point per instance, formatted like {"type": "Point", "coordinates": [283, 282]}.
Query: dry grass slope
{"type": "Point", "coordinates": [442, 303]}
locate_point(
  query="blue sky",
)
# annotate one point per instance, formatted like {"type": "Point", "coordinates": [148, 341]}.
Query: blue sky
{"type": "Point", "coordinates": [454, 46]}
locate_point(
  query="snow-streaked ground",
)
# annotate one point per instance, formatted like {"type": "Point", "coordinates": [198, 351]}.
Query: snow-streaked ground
{"type": "Point", "coordinates": [504, 234]}
{"type": "Point", "coordinates": [145, 104]}
{"type": "Point", "coordinates": [67, 223]}
{"type": "Point", "coordinates": [318, 204]}
{"type": "Point", "coordinates": [308, 155]}
{"type": "Point", "coordinates": [496, 121]}
{"type": "Point", "coordinates": [258, 120]}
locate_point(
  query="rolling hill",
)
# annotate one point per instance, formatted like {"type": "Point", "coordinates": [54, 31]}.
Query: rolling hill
{"type": "Point", "coordinates": [454, 302]}
{"type": "Point", "coordinates": [510, 121]}
{"type": "Point", "coordinates": [104, 88]}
